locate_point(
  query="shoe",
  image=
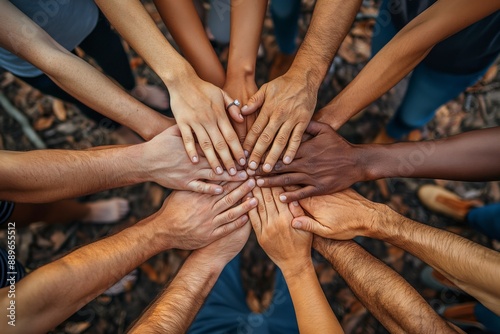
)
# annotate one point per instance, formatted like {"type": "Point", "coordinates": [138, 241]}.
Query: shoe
{"type": "Point", "coordinates": [443, 201]}
{"type": "Point", "coordinates": [463, 316]}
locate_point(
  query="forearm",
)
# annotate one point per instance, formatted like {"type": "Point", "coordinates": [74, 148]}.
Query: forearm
{"type": "Point", "coordinates": [51, 175]}
{"type": "Point", "coordinates": [330, 24]}
{"type": "Point", "coordinates": [74, 75]}
{"type": "Point", "coordinates": [52, 293]}
{"type": "Point", "coordinates": [400, 56]}
{"type": "Point", "coordinates": [384, 293]}
{"type": "Point", "coordinates": [247, 17]}
{"type": "Point", "coordinates": [473, 268]}
{"type": "Point", "coordinates": [134, 24]}
{"type": "Point", "coordinates": [182, 21]}
{"type": "Point", "coordinates": [462, 157]}
{"type": "Point", "coordinates": [314, 314]}
{"type": "Point", "coordinates": [176, 307]}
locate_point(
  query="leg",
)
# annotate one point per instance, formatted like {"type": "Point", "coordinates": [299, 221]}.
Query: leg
{"type": "Point", "coordinates": [285, 15]}
{"type": "Point", "coordinates": [384, 30]}
{"type": "Point", "coordinates": [428, 89]}
{"type": "Point", "coordinates": [225, 309]}
{"type": "Point", "coordinates": [486, 219]}
{"type": "Point", "coordinates": [281, 313]}
{"type": "Point", "coordinates": [489, 319]}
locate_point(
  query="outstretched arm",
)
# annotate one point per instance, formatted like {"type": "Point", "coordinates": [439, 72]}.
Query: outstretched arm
{"type": "Point", "coordinates": [53, 292]}
{"type": "Point", "coordinates": [400, 56]}
{"type": "Point", "coordinates": [393, 301]}
{"type": "Point", "coordinates": [75, 75]}
{"type": "Point", "coordinates": [338, 164]}
{"type": "Point", "coordinates": [291, 251]}
{"type": "Point", "coordinates": [50, 175]}
{"type": "Point", "coordinates": [198, 106]}
{"type": "Point", "coordinates": [472, 267]}
{"type": "Point", "coordinates": [287, 103]}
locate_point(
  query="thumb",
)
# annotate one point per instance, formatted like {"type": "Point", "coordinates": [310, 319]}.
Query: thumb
{"type": "Point", "coordinates": [254, 103]}
{"type": "Point", "coordinates": [232, 107]}
{"type": "Point", "coordinates": [315, 128]}
{"type": "Point", "coordinates": [308, 224]}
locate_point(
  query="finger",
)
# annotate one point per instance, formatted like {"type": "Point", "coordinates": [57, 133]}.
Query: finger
{"type": "Point", "coordinates": [263, 143]}
{"type": "Point", "coordinates": [281, 207]}
{"type": "Point", "coordinates": [299, 194]}
{"type": "Point", "coordinates": [234, 196]}
{"type": "Point", "coordinates": [208, 149]}
{"type": "Point", "coordinates": [278, 145]}
{"type": "Point", "coordinates": [209, 175]}
{"type": "Point", "coordinates": [231, 139]}
{"type": "Point", "coordinates": [255, 219]}
{"type": "Point", "coordinates": [279, 168]}
{"type": "Point", "coordinates": [294, 143]}
{"type": "Point", "coordinates": [282, 180]}
{"type": "Point", "coordinates": [296, 209]}
{"type": "Point", "coordinates": [315, 128]}
{"type": "Point", "coordinates": [254, 133]}
{"type": "Point", "coordinates": [271, 209]}
{"type": "Point", "coordinates": [261, 206]}
{"type": "Point", "coordinates": [189, 143]}
{"type": "Point", "coordinates": [234, 213]}
{"type": "Point", "coordinates": [229, 228]}
{"type": "Point", "coordinates": [255, 102]}
{"type": "Point", "coordinates": [308, 224]}
{"type": "Point", "coordinates": [235, 112]}
{"type": "Point", "coordinates": [222, 150]}
{"type": "Point", "coordinates": [205, 188]}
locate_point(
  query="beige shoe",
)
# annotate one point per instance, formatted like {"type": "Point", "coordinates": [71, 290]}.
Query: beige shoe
{"type": "Point", "coordinates": [445, 202]}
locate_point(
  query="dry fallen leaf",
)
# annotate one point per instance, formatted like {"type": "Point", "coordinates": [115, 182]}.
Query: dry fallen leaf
{"type": "Point", "coordinates": [59, 110]}
{"type": "Point", "coordinates": [76, 327]}
{"type": "Point", "coordinates": [43, 123]}
{"type": "Point", "coordinates": [150, 272]}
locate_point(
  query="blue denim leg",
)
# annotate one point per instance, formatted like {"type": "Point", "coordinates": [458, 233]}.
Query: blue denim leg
{"type": "Point", "coordinates": [225, 309]}
{"type": "Point", "coordinates": [384, 30]}
{"type": "Point", "coordinates": [285, 15]}
{"type": "Point", "coordinates": [489, 319]}
{"type": "Point", "coordinates": [486, 220]}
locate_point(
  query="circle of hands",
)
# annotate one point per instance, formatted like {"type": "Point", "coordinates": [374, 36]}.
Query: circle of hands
{"type": "Point", "coordinates": [266, 166]}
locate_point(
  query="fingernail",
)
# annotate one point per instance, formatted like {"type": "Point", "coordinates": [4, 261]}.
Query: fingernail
{"type": "Point", "coordinates": [253, 202]}
{"type": "Point", "coordinates": [240, 116]}
{"type": "Point", "coordinates": [194, 159]}
{"type": "Point", "coordinates": [232, 171]}
{"type": "Point", "coordinates": [218, 190]}
{"type": "Point", "coordinates": [260, 182]}
{"type": "Point", "coordinates": [282, 198]}
{"type": "Point", "coordinates": [242, 162]}
{"type": "Point", "coordinates": [250, 172]}
{"type": "Point", "coordinates": [242, 175]}
{"type": "Point", "coordinates": [287, 159]}
{"type": "Point", "coordinates": [244, 108]}
{"type": "Point", "coordinates": [218, 170]}
{"type": "Point", "coordinates": [297, 224]}
{"type": "Point", "coordinates": [268, 168]}
{"type": "Point", "coordinates": [253, 165]}
{"type": "Point", "coordinates": [244, 218]}
{"type": "Point", "coordinates": [246, 153]}
{"type": "Point", "coordinates": [251, 183]}
{"type": "Point", "coordinates": [295, 203]}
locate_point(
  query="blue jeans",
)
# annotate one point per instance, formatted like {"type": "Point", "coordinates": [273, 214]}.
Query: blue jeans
{"type": "Point", "coordinates": [428, 88]}
{"type": "Point", "coordinates": [285, 15]}
{"type": "Point", "coordinates": [226, 311]}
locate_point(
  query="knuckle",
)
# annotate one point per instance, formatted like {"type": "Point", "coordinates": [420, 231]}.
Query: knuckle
{"type": "Point", "coordinates": [287, 180]}
{"type": "Point", "coordinates": [206, 145]}
{"type": "Point", "coordinates": [220, 145]}
{"type": "Point", "coordinates": [266, 138]}
{"type": "Point", "coordinates": [230, 216]}
{"type": "Point", "coordinates": [229, 201]}
{"type": "Point", "coordinates": [256, 129]}
{"type": "Point", "coordinates": [281, 140]}
{"type": "Point", "coordinates": [188, 140]}
{"type": "Point", "coordinates": [268, 198]}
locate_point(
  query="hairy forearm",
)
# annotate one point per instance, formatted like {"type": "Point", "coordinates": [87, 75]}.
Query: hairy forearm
{"type": "Point", "coordinates": [314, 314]}
{"type": "Point", "coordinates": [393, 301]}
{"type": "Point", "coordinates": [330, 24]}
{"type": "Point", "coordinates": [462, 157]}
{"type": "Point", "coordinates": [472, 267]}
{"type": "Point", "coordinates": [51, 175]}
{"type": "Point", "coordinates": [247, 17]}
{"type": "Point", "coordinates": [176, 307]}
{"type": "Point", "coordinates": [55, 291]}
{"type": "Point", "coordinates": [134, 24]}
{"type": "Point", "coordinates": [183, 22]}
{"type": "Point", "coordinates": [74, 75]}
{"type": "Point", "coordinates": [400, 56]}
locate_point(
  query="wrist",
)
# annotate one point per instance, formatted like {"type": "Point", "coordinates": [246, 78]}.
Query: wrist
{"type": "Point", "coordinates": [180, 75]}
{"type": "Point", "coordinates": [295, 268]}
{"type": "Point", "coordinates": [150, 235]}
{"type": "Point", "coordinates": [240, 70]}
{"type": "Point", "coordinates": [139, 167]}
{"type": "Point", "coordinates": [211, 264]}
{"type": "Point", "coordinates": [306, 74]}
{"type": "Point", "coordinates": [373, 161]}
{"type": "Point", "coordinates": [382, 226]}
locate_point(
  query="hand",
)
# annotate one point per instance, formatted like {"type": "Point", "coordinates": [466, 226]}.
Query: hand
{"type": "Point", "coordinates": [199, 107]}
{"type": "Point", "coordinates": [167, 164]}
{"type": "Point", "coordinates": [286, 107]}
{"type": "Point", "coordinates": [190, 220]}
{"type": "Point", "coordinates": [324, 164]}
{"type": "Point", "coordinates": [290, 249]}
{"type": "Point", "coordinates": [341, 216]}
{"type": "Point", "coordinates": [241, 87]}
